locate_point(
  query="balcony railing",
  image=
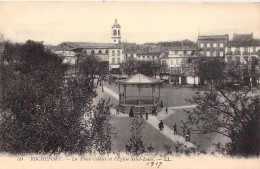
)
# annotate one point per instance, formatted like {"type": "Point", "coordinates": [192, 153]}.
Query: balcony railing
{"type": "Point", "coordinates": [237, 53]}
{"type": "Point", "coordinates": [229, 53]}
{"type": "Point", "coordinates": [245, 53]}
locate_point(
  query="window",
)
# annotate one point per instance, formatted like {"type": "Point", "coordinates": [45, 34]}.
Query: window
{"type": "Point", "coordinates": [118, 32]}
{"type": "Point", "coordinates": [176, 52]}
{"type": "Point", "coordinates": [246, 49]}
{"type": "Point", "coordinates": [143, 57]}
{"type": "Point", "coordinates": [177, 61]}
{"type": "Point", "coordinates": [114, 32]}
{"type": "Point", "coordinates": [177, 69]}
{"type": "Point", "coordinates": [106, 51]}
{"type": "Point", "coordinates": [148, 57]}
{"type": "Point", "coordinates": [208, 53]}
{"type": "Point", "coordinates": [113, 53]}
{"type": "Point", "coordinates": [118, 60]}
{"type": "Point", "coordinates": [113, 60]}
{"type": "Point", "coordinates": [185, 52]}
{"type": "Point", "coordinates": [229, 49]}
{"type": "Point", "coordinates": [214, 45]}
{"type": "Point", "coordinates": [118, 53]}
{"type": "Point", "coordinates": [214, 53]}
{"type": "Point", "coordinates": [153, 57]}
{"type": "Point", "coordinates": [221, 45]}
{"type": "Point", "coordinates": [99, 52]}
{"type": "Point", "coordinates": [221, 53]}
{"type": "Point", "coordinates": [92, 52]}
{"type": "Point", "coordinates": [254, 49]}
{"type": "Point", "coordinates": [201, 45]}
{"type": "Point", "coordinates": [171, 61]}
{"type": "Point", "coordinates": [237, 58]}
{"type": "Point", "coordinates": [208, 45]}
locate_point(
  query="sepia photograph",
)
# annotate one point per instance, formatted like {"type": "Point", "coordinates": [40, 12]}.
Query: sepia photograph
{"type": "Point", "coordinates": [130, 85]}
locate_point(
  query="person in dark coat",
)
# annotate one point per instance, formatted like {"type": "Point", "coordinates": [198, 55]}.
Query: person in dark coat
{"type": "Point", "coordinates": [153, 111]}
{"type": "Point", "coordinates": [146, 115]}
{"type": "Point", "coordinates": [166, 110]}
{"type": "Point", "coordinates": [161, 104]}
{"type": "Point", "coordinates": [175, 129]}
{"type": "Point", "coordinates": [161, 126]}
{"type": "Point", "coordinates": [131, 113]}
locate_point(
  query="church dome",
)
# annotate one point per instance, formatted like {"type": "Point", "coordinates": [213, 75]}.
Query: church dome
{"type": "Point", "coordinates": [116, 25]}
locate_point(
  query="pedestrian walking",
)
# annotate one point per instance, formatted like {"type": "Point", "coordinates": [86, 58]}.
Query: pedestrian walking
{"type": "Point", "coordinates": [166, 110]}
{"type": "Point", "coordinates": [175, 129]}
{"type": "Point", "coordinates": [161, 126]}
{"type": "Point", "coordinates": [117, 111]}
{"type": "Point", "coordinates": [131, 113]}
{"type": "Point", "coordinates": [146, 115]}
{"type": "Point", "coordinates": [188, 135]}
{"type": "Point", "coordinates": [153, 111]}
{"type": "Point", "coordinates": [161, 104]}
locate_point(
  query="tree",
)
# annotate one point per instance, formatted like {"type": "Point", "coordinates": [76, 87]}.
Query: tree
{"type": "Point", "coordinates": [230, 112]}
{"type": "Point", "coordinates": [40, 113]}
{"type": "Point", "coordinates": [129, 66]}
{"type": "Point", "coordinates": [89, 65]}
{"type": "Point", "coordinates": [101, 129]}
{"type": "Point", "coordinates": [136, 145]}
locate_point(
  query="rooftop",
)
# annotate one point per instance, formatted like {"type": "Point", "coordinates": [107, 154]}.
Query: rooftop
{"type": "Point", "coordinates": [140, 79]}
{"type": "Point", "coordinates": [183, 48]}
{"type": "Point", "coordinates": [205, 37]}
{"type": "Point", "coordinates": [242, 37]}
{"type": "Point", "coordinates": [253, 42]}
{"type": "Point", "coordinates": [58, 48]}
{"type": "Point", "coordinates": [149, 53]}
{"type": "Point", "coordinates": [90, 45]}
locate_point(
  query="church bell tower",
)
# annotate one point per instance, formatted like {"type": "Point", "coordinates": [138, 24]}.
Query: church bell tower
{"type": "Point", "coordinates": [116, 33]}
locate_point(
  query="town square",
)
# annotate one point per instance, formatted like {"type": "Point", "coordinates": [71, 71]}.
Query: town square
{"type": "Point", "coordinates": [142, 79]}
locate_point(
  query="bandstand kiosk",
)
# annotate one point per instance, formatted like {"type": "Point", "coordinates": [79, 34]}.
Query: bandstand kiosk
{"type": "Point", "coordinates": [139, 92]}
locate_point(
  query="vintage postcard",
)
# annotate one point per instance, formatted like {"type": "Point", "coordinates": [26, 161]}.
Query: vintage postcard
{"type": "Point", "coordinates": [130, 85]}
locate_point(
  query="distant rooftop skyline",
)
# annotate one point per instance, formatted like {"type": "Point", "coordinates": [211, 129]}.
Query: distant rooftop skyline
{"type": "Point", "coordinates": [141, 22]}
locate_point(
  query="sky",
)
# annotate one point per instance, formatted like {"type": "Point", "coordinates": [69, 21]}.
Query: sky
{"type": "Point", "coordinates": [56, 22]}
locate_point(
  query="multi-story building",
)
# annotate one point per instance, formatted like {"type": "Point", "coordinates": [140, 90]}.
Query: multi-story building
{"type": "Point", "coordinates": [67, 54]}
{"type": "Point", "coordinates": [174, 59]}
{"type": "Point", "coordinates": [148, 56]}
{"type": "Point", "coordinates": [213, 45]}
{"type": "Point", "coordinates": [244, 49]}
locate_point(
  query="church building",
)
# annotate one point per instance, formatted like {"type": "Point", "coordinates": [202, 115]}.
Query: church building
{"type": "Point", "coordinates": [110, 52]}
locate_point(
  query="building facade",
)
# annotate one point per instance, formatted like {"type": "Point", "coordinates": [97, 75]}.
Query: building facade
{"type": "Point", "coordinates": [242, 48]}
{"type": "Point", "coordinates": [175, 59]}
{"type": "Point", "coordinates": [213, 45]}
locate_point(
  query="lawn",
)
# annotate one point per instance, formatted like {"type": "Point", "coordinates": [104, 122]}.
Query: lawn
{"type": "Point", "coordinates": [204, 141]}
{"type": "Point", "coordinates": [150, 134]}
